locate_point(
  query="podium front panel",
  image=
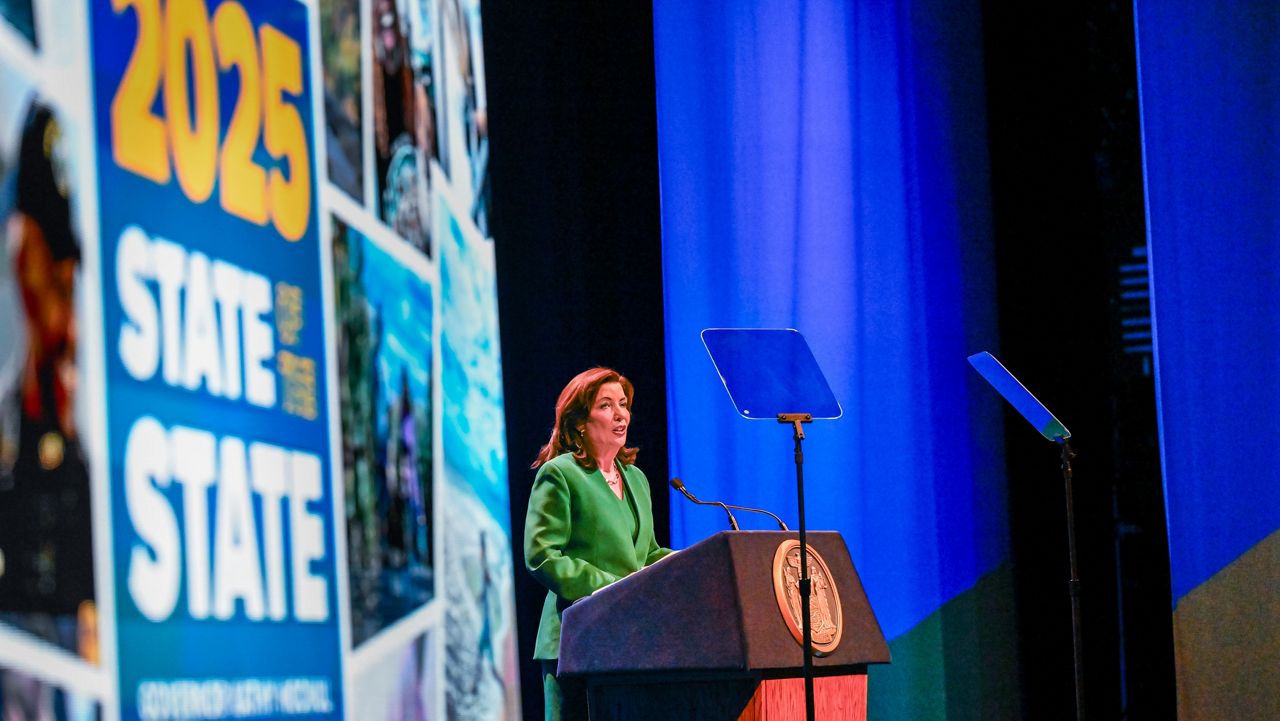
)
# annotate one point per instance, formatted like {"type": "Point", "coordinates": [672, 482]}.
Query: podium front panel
{"type": "Point", "coordinates": [712, 607]}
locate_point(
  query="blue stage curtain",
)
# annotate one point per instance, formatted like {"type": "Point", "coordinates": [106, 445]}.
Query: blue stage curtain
{"type": "Point", "coordinates": [823, 167]}
{"type": "Point", "coordinates": [1210, 98]}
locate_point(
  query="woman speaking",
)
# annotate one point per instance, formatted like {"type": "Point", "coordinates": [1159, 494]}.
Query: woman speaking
{"type": "Point", "coordinates": [590, 518]}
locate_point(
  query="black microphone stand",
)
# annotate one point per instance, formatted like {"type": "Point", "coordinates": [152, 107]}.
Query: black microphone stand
{"type": "Point", "coordinates": [1051, 429]}
{"type": "Point", "coordinates": [806, 623]}
{"type": "Point", "coordinates": [1073, 586]}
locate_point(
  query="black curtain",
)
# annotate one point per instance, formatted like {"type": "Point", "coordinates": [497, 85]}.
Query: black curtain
{"type": "Point", "coordinates": [574, 216]}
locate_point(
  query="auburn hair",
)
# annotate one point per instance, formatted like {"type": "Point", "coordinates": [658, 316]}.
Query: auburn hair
{"type": "Point", "coordinates": [572, 409]}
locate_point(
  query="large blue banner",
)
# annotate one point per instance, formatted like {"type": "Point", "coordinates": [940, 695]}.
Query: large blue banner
{"type": "Point", "coordinates": [1210, 108]}
{"type": "Point", "coordinates": [823, 168]}
{"type": "Point", "coordinates": [1209, 99]}
{"type": "Point", "coordinates": [217, 418]}
{"type": "Point", "coordinates": [831, 207]}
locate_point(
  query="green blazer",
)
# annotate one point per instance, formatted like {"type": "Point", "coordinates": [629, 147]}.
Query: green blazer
{"type": "Point", "coordinates": [578, 537]}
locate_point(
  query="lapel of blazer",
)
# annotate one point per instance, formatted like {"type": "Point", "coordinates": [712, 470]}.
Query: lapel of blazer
{"type": "Point", "coordinates": [632, 499]}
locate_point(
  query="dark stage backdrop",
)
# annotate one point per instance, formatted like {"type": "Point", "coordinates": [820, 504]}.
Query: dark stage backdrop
{"type": "Point", "coordinates": [1075, 326]}
{"type": "Point", "coordinates": [575, 189]}
{"type": "Point", "coordinates": [824, 168]}
{"type": "Point", "coordinates": [1210, 109]}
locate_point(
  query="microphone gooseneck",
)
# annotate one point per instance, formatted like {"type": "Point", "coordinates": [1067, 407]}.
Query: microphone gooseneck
{"type": "Point", "coordinates": [677, 484]}
{"type": "Point", "coordinates": [781, 525]}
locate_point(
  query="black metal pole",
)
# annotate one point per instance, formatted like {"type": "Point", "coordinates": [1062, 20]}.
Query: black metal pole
{"type": "Point", "coordinates": [1073, 585]}
{"type": "Point", "coordinates": [806, 623]}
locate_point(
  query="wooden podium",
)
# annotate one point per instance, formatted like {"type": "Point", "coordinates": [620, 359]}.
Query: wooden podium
{"type": "Point", "coordinates": [701, 635]}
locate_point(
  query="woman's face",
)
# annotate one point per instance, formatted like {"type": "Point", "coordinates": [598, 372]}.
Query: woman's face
{"type": "Point", "coordinates": [607, 421]}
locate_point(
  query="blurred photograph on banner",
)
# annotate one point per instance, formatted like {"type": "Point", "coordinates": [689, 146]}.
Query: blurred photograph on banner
{"type": "Point", "coordinates": [404, 136]}
{"type": "Point", "coordinates": [20, 15]}
{"type": "Point", "coordinates": [403, 684]}
{"type": "Point", "coordinates": [46, 526]}
{"type": "Point", "coordinates": [481, 664]}
{"type": "Point", "coordinates": [343, 94]}
{"type": "Point", "coordinates": [383, 312]}
{"type": "Point", "coordinates": [23, 696]}
{"type": "Point", "coordinates": [462, 108]}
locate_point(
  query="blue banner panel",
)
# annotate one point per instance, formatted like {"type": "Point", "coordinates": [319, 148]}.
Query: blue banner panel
{"type": "Point", "coordinates": [1210, 112]}
{"type": "Point", "coordinates": [217, 421]}
{"type": "Point", "coordinates": [823, 168]}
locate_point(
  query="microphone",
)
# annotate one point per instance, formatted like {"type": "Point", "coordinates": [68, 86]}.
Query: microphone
{"type": "Point", "coordinates": [678, 484]}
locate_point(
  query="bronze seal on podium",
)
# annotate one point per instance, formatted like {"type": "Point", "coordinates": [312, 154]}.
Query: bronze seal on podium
{"type": "Point", "coordinates": [825, 614]}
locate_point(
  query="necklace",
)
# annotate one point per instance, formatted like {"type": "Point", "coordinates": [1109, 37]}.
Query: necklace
{"type": "Point", "coordinates": [611, 477]}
